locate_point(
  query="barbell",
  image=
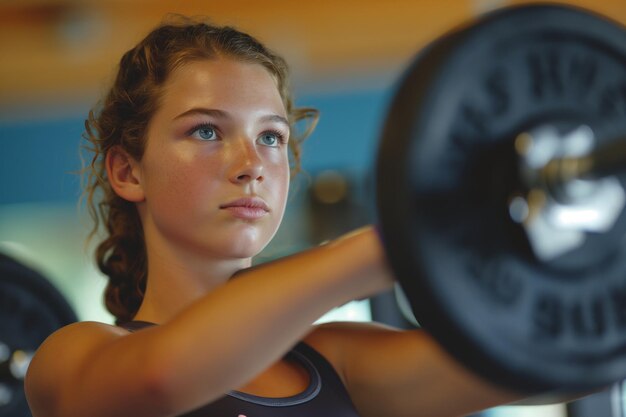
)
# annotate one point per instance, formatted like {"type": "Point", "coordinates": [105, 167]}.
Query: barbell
{"type": "Point", "coordinates": [500, 182]}
{"type": "Point", "coordinates": [31, 308]}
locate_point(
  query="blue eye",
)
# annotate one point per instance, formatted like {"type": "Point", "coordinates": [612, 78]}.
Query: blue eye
{"type": "Point", "coordinates": [204, 132]}
{"type": "Point", "coordinates": [270, 139]}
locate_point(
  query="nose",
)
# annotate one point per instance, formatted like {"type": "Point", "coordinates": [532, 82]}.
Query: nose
{"type": "Point", "coordinates": [247, 165]}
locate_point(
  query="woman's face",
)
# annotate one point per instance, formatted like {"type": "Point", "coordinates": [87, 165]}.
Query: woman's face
{"type": "Point", "coordinates": [215, 171]}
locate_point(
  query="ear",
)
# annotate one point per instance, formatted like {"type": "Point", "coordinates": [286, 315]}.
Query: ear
{"type": "Point", "coordinates": [124, 175]}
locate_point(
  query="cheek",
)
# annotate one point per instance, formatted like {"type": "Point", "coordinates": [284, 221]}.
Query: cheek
{"type": "Point", "coordinates": [281, 187]}
{"type": "Point", "coordinates": [280, 172]}
{"type": "Point", "coordinates": [176, 179]}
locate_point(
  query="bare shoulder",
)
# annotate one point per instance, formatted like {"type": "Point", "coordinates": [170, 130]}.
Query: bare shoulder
{"type": "Point", "coordinates": [60, 357]}
{"type": "Point", "coordinates": [86, 329]}
{"type": "Point", "coordinates": [72, 341]}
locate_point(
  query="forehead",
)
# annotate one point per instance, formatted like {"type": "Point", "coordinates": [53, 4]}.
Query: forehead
{"type": "Point", "coordinates": [222, 83]}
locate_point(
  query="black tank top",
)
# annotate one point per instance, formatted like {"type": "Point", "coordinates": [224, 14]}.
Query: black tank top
{"type": "Point", "coordinates": [325, 396]}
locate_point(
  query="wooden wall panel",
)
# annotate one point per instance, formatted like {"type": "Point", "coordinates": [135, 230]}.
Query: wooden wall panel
{"type": "Point", "coordinates": [60, 50]}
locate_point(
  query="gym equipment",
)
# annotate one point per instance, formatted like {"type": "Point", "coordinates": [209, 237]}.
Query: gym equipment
{"type": "Point", "coordinates": [500, 185]}
{"type": "Point", "coordinates": [30, 310]}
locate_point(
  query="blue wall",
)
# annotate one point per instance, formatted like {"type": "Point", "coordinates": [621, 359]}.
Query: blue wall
{"type": "Point", "coordinates": [39, 159]}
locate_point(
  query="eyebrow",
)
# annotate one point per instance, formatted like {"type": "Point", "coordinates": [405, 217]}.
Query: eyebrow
{"type": "Point", "coordinates": [224, 115]}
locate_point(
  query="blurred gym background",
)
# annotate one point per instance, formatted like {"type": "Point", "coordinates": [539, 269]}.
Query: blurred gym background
{"type": "Point", "coordinates": [58, 57]}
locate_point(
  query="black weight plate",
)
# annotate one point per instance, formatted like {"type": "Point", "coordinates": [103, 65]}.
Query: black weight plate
{"type": "Point", "coordinates": [30, 310]}
{"type": "Point", "coordinates": [447, 168]}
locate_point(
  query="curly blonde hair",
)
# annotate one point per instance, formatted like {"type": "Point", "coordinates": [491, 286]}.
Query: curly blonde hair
{"type": "Point", "coordinates": [121, 120]}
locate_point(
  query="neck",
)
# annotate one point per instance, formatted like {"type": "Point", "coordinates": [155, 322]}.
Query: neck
{"type": "Point", "coordinates": [175, 281]}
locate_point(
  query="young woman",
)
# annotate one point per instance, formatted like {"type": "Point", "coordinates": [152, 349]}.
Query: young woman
{"type": "Point", "coordinates": [189, 178]}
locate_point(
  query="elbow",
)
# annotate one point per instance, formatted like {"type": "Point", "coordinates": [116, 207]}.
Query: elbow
{"type": "Point", "coordinates": [170, 385]}
{"type": "Point", "coordinates": [159, 385]}
{"type": "Point", "coordinates": [178, 381]}
{"type": "Point", "coordinates": [178, 388]}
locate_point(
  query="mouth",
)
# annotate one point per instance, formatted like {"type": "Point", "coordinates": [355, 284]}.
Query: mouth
{"type": "Point", "coordinates": [251, 208]}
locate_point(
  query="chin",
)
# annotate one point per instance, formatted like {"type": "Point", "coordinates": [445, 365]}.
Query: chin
{"type": "Point", "coordinates": [249, 243]}
{"type": "Point", "coordinates": [233, 243]}
{"type": "Point", "coordinates": [242, 249]}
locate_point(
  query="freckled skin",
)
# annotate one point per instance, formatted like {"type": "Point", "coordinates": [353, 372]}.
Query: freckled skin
{"type": "Point", "coordinates": [185, 178]}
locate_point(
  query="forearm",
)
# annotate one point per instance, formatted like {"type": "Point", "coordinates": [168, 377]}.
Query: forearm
{"type": "Point", "coordinates": [242, 327]}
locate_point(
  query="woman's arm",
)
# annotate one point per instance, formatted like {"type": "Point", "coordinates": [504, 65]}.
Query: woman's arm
{"type": "Point", "coordinates": [392, 373]}
{"type": "Point", "coordinates": [217, 344]}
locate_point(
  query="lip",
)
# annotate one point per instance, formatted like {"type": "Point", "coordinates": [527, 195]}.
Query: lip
{"type": "Point", "coordinates": [250, 208]}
